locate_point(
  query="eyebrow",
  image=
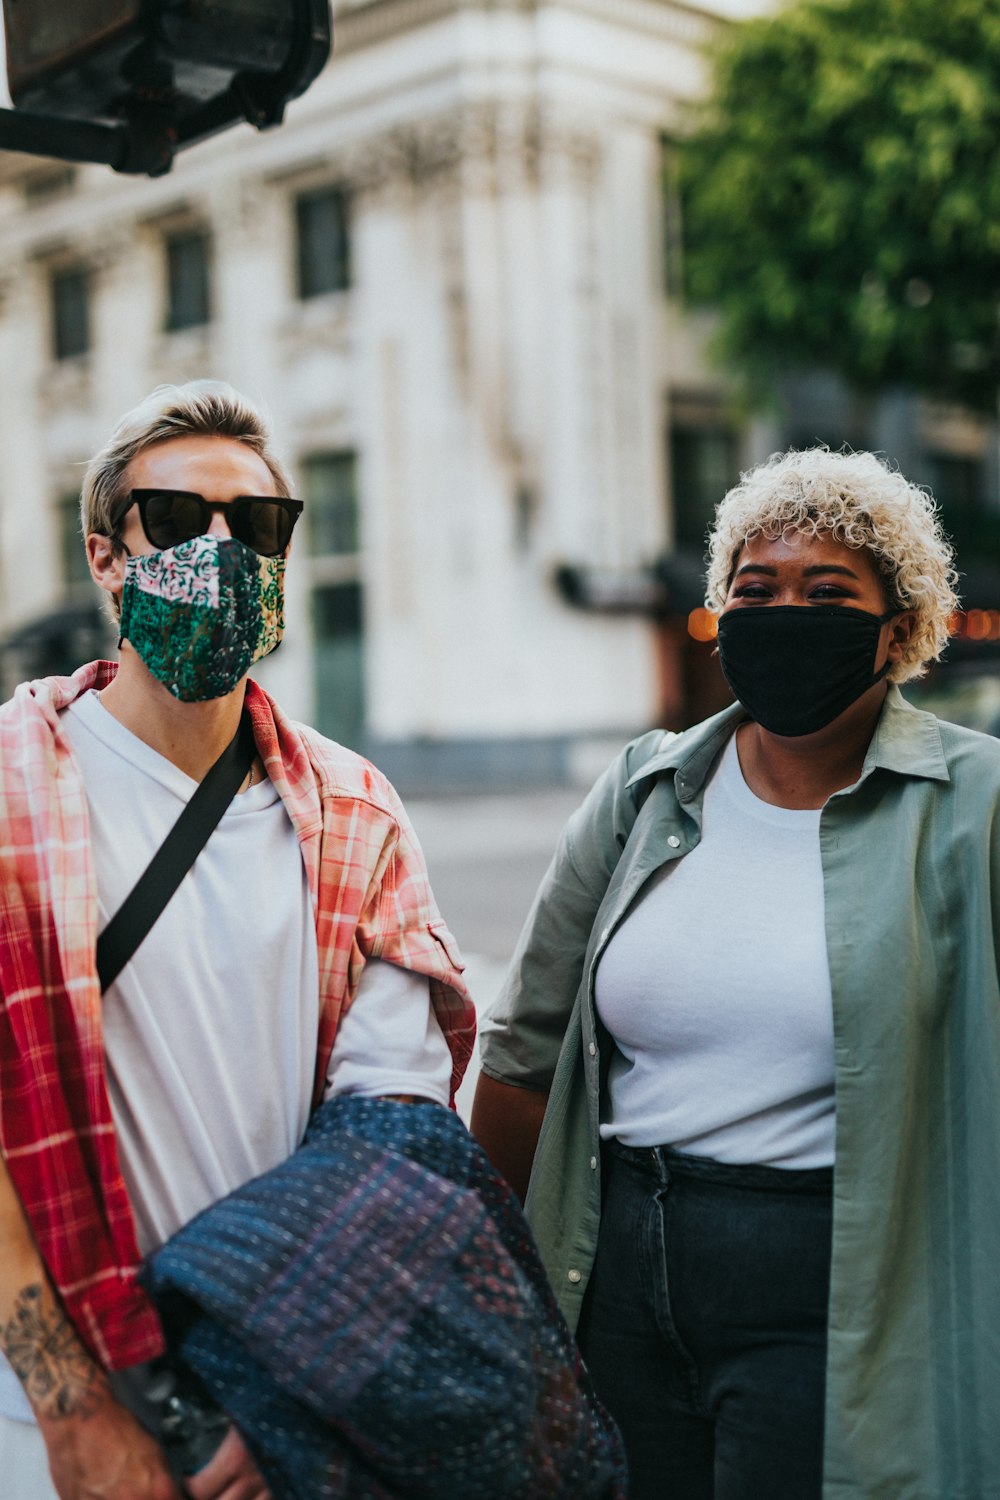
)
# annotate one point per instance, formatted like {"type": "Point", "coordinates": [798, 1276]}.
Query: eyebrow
{"type": "Point", "coordinates": [810, 572]}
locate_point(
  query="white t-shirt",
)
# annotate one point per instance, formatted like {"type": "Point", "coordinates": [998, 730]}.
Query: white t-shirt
{"type": "Point", "coordinates": [716, 991]}
{"type": "Point", "coordinates": [210, 1031]}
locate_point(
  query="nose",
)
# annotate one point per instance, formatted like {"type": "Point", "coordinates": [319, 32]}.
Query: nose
{"type": "Point", "coordinates": [219, 524]}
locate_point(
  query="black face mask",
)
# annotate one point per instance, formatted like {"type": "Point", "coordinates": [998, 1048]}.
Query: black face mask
{"type": "Point", "coordinates": [795, 667]}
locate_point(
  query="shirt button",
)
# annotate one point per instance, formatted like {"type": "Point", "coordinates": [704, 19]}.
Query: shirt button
{"type": "Point", "coordinates": [593, 1163]}
{"type": "Point", "coordinates": [674, 841]}
{"type": "Point", "coordinates": [573, 1276]}
{"type": "Point", "coordinates": [592, 1049]}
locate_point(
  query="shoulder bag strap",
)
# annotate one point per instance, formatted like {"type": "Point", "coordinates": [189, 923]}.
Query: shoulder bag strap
{"type": "Point", "coordinates": [156, 885]}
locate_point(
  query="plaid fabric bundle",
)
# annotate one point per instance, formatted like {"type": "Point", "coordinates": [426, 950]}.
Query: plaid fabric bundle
{"type": "Point", "coordinates": [374, 1317]}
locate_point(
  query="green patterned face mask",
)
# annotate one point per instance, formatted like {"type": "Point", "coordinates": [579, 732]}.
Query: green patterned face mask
{"type": "Point", "coordinates": [201, 613]}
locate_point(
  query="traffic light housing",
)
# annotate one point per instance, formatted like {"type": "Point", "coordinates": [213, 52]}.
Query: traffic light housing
{"type": "Point", "coordinates": [132, 81]}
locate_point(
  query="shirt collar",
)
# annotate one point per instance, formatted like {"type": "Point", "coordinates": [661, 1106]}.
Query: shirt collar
{"type": "Point", "coordinates": [907, 740]}
{"type": "Point", "coordinates": [693, 753]}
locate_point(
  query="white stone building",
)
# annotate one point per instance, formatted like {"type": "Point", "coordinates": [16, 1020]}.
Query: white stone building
{"type": "Point", "coordinates": [446, 277]}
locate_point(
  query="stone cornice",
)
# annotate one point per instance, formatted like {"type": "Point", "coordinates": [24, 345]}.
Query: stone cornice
{"type": "Point", "coordinates": [672, 23]}
{"type": "Point", "coordinates": [15, 166]}
{"type": "Point", "coordinates": [502, 143]}
{"type": "Point", "coordinates": [374, 21]}
{"type": "Point", "coordinates": [508, 139]}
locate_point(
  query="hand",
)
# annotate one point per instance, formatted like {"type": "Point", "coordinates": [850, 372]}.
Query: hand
{"type": "Point", "coordinates": [104, 1454]}
{"type": "Point", "coordinates": [230, 1474]}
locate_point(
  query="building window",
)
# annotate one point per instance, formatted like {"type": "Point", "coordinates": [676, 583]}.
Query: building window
{"type": "Point", "coordinates": [323, 244]}
{"type": "Point", "coordinates": [958, 483]}
{"type": "Point", "coordinates": [338, 642]}
{"type": "Point", "coordinates": [73, 553]}
{"type": "Point", "coordinates": [331, 495]}
{"type": "Point", "coordinates": [329, 489]}
{"type": "Point", "coordinates": [70, 303]}
{"type": "Point", "coordinates": [704, 464]}
{"type": "Point", "coordinates": [188, 280]}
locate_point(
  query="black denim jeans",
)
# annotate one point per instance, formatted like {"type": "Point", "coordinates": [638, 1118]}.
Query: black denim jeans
{"type": "Point", "coordinates": [704, 1325]}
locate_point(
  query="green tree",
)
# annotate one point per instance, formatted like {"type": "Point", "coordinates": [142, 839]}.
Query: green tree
{"type": "Point", "coordinates": [841, 191]}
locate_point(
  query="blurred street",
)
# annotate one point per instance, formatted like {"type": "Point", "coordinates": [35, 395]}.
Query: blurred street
{"type": "Point", "coordinates": [486, 856]}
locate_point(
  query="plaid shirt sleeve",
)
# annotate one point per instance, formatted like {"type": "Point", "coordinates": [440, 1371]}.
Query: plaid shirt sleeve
{"type": "Point", "coordinates": [56, 1130]}
{"type": "Point", "coordinates": [401, 923]}
{"type": "Point", "coordinates": [368, 879]}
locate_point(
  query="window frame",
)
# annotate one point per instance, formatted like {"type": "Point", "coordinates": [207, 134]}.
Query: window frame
{"type": "Point", "coordinates": [695, 415]}
{"type": "Point", "coordinates": [334, 571]}
{"type": "Point", "coordinates": [310, 280]}
{"type": "Point", "coordinates": [182, 236]}
{"type": "Point", "coordinates": [63, 345]}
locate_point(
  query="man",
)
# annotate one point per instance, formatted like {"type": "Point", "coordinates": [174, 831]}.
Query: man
{"type": "Point", "coordinates": [301, 955]}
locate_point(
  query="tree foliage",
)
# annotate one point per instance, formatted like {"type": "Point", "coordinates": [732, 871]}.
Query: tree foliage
{"type": "Point", "coordinates": [841, 192]}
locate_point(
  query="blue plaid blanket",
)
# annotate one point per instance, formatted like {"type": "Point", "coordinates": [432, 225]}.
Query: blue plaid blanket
{"type": "Point", "coordinates": [374, 1317]}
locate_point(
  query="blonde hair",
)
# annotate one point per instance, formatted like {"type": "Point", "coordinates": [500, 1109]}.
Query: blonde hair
{"type": "Point", "coordinates": [210, 408]}
{"type": "Point", "coordinates": [864, 503]}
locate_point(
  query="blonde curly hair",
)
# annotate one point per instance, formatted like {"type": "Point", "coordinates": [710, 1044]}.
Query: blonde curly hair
{"type": "Point", "coordinates": [865, 504]}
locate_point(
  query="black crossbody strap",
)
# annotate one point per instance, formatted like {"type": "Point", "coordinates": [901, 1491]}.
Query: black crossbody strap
{"type": "Point", "coordinates": [175, 856]}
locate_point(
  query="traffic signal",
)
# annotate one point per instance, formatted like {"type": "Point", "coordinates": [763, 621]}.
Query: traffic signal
{"type": "Point", "coordinates": [132, 81]}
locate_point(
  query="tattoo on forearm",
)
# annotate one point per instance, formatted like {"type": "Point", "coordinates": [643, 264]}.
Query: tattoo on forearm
{"type": "Point", "coordinates": [46, 1354]}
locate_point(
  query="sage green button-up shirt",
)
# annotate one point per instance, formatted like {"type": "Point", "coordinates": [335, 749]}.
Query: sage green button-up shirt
{"type": "Point", "coordinates": [911, 868]}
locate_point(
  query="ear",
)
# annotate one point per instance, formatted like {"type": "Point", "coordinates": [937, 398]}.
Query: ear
{"type": "Point", "coordinates": [106, 562]}
{"type": "Point", "coordinates": [900, 632]}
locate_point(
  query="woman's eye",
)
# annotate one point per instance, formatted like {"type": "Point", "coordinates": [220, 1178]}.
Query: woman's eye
{"type": "Point", "coordinates": [752, 591]}
{"type": "Point", "coordinates": [829, 591]}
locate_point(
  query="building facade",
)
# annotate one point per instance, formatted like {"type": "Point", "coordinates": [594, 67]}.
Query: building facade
{"type": "Point", "coordinates": [451, 279]}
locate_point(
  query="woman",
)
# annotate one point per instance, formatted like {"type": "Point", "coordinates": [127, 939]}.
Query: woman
{"type": "Point", "coordinates": [758, 996]}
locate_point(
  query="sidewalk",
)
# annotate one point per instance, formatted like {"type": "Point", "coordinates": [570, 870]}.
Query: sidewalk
{"type": "Point", "coordinates": [486, 856]}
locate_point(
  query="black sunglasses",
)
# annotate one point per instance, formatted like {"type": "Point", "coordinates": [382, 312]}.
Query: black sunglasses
{"type": "Point", "coordinates": [263, 522]}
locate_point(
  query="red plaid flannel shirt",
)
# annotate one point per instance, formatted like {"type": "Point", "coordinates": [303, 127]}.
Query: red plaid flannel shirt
{"type": "Point", "coordinates": [371, 900]}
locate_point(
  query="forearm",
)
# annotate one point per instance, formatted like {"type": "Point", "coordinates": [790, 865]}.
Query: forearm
{"type": "Point", "coordinates": [95, 1447]}
{"type": "Point", "coordinates": [59, 1377]}
{"type": "Point", "coordinates": [506, 1122]}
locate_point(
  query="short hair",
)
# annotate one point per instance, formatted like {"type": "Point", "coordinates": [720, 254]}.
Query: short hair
{"type": "Point", "coordinates": [865, 503]}
{"type": "Point", "coordinates": [210, 408]}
